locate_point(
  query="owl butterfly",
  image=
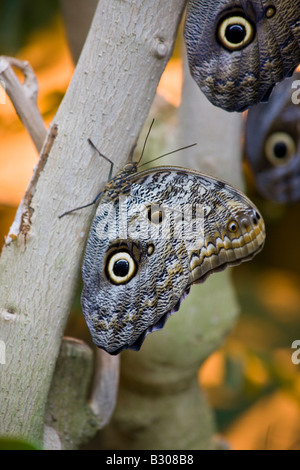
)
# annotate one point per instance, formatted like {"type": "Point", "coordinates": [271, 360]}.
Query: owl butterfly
{"type": "Point", "coordinates": [239, 49]}
{"type": "Point", "coordinates": [272, 142]}
{"type": "Point", "coordinates": [155, 233]}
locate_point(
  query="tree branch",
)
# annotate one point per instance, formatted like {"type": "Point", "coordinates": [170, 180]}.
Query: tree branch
{"type": "Point", "coordinates": [70, 416]}
{"type": "Point", "coordinates": [24, 97]}
{"type": "Point", "coordinates": [70, 422]}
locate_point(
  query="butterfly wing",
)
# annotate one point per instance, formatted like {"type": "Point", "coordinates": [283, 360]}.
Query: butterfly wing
{"type": "Point", "coordinates": [238, 50]}
{"type": "Point", "coordinates": [172, 228]}
{"type": "Point", "coordinates": [272, 144]}
{"type": "Point", "coordinates": [119, 309]}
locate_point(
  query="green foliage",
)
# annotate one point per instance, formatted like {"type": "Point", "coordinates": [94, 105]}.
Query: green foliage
{"type": "Point", "coordinates": [19, 18]}
{"type": "Point", "coordinates": [16, 444]}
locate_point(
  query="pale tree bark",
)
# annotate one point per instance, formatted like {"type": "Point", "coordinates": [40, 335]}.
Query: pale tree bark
{"type": "Point", "coordinates": [114, 83]}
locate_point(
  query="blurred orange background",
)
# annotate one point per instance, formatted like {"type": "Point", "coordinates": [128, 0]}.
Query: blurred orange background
{"type": "Point", "coordinates": [252, 383]}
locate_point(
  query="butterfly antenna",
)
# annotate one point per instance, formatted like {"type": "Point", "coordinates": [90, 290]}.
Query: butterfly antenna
{"type": "Point", "coordinates": [81, 207]}
{"type": "Point", "coordinates": [169, 153]}
{"type": "Point", "coordinates": [105, 158]}
{"type": "Point", "coordinates": [144, 146]}
{"type": "Point", "coordinates": [98, 195]}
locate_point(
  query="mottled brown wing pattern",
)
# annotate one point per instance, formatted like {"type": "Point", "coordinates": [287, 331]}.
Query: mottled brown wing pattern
{"type": "Point", "coordinates": [272, 143]}
{"type": "Point", "coordinates": [153, 236]}
{"type": "Point", "coordinates": [239, 49]}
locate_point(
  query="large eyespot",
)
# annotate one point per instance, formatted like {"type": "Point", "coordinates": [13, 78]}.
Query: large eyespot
{"type": "Point", "coordinates": [156, 214]}
{"type": "Point", "coordinates": [232, 226]}
{"type": "Point", "coordinates": [280, 147]}
{"type": "Point", "coordinates": [235, 32]}
{"type": "Point", "coordinates": [120, 267]}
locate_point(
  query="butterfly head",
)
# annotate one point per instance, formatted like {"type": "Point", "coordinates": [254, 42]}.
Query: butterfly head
{"type": "Point", "coordinates": [130, 167]}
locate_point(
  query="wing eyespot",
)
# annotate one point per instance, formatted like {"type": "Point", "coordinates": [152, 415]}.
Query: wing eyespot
{"type": "Point", "coordinates": [121, 267]}
{"type": "Point", "coordinates": [280, 148]}
{"type": "Point", "coordinates": [155, 214]}
{"type": "Point", "coordinates": [150, 249]}
{"type": "Point", "coordinates": [235, 31]}
{"type": "Point", "coordinates": [233, 226]}
{"type": "Point", "coordinates": [270, 11]}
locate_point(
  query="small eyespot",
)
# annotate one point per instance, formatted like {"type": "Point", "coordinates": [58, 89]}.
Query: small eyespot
{"type": "Point", "coordinates": [232, 226]}
{"type": "Point", "coordinates": [270, 11]}
{"type": "Point", "coordinates": [155, 214]}
{"type": "Point", "coordinates": [150, 249]}
{"type": "Point", "coordinates": [280, 147]}
{"type": "Point", "coordinates": [255, 217]}
{"type": "Point", "coordinates": [121, 267]}
{"type": "Point", "coordinates": [235, 32]}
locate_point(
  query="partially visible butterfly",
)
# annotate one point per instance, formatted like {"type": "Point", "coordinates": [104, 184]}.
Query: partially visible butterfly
{"type": "Point", "coordinates": [239, 49]}
{"type": "Point", "coordinates": [155, 233]}
{"type": "Point", "coordinates": [272, 143]}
